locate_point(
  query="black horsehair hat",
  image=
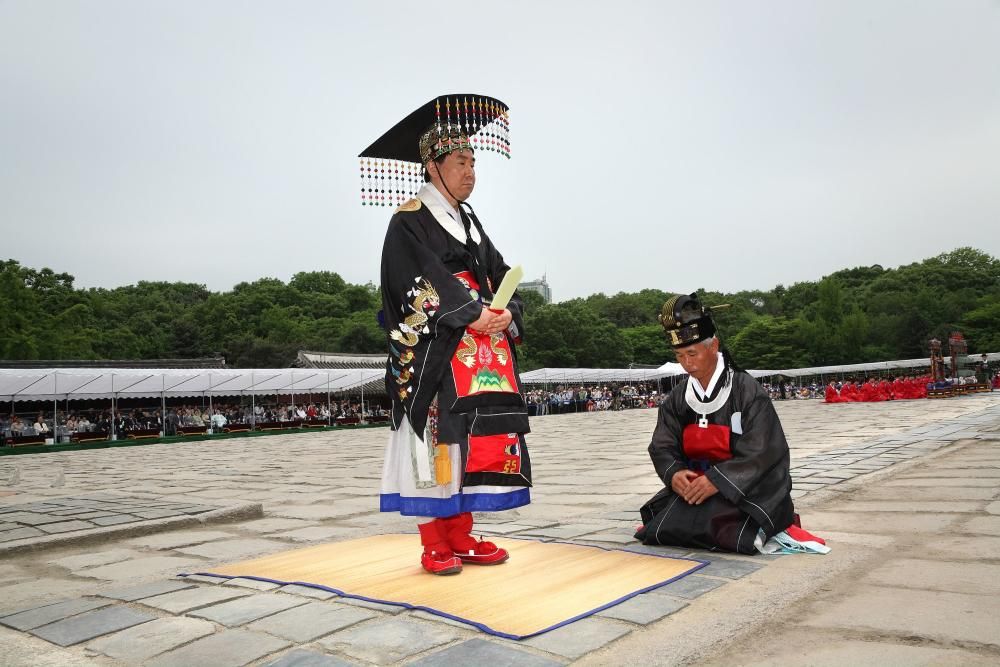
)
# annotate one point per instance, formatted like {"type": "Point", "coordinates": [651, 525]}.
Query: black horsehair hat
{"type": "Point", "coordinates": [391, 168]}
{"type": "Point", "coordinates": [686, 321]}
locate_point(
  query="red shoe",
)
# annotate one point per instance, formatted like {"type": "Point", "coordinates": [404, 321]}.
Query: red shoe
{"type": "Point", "coordinates": [438, 557]}
{"type": "Point", "coordinates": [446, 563]}
{"type": "Point", "coordinates": [466, 547]}
{"type": "Point", "coordinates": [484, 553]}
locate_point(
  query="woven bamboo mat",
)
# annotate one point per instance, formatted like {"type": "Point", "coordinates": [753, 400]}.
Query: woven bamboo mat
{"type": "Point", "coordinates": [544, 585]}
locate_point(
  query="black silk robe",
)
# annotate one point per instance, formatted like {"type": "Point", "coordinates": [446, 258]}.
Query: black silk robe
{"type": "Point", "coordinates": [426, 310]}
{"type": "Point", "coordinates": [754, 485]}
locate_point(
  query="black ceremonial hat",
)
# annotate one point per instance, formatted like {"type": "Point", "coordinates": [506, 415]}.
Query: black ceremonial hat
{"type": "Point", "coordinates": [391, 168]}
{"type": "Point", "coordinates": [686, 321]}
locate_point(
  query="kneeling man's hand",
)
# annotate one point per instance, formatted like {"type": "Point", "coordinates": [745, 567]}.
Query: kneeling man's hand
{"type": "Point", "coordinates": [681, 481]}
{"type": "Point", "coordinates": [699, 490]}
{"type": "Point", "coordinates": [694, 489]}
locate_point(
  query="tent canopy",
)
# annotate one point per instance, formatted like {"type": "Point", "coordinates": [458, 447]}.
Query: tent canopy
{"type": "Point", "coordinates": [86, 383]}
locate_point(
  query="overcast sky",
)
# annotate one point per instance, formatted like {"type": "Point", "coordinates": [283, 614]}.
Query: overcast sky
{"type": "Point", "coordinates": [672, 145]}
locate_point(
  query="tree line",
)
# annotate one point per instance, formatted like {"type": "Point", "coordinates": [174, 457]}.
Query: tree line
{"type": "Point", "coordinates": [850, 316]}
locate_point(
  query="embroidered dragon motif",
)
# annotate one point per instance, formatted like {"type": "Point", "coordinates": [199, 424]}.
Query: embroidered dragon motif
{"type": "Point", "coordinates": [425, 301]}
{"type": "Point", "coordinates": [500, 353]}
{"type": "Point", "coordinates": [466, 352]}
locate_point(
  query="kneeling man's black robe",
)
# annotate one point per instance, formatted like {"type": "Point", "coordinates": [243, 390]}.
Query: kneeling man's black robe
{"type": "Point", "coordinates": [734, 437]}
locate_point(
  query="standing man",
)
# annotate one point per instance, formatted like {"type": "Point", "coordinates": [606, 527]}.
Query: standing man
{"type": "Point", "coordinates": [458, 415]}
{"type": "Point", "coordinates": [719, 449]}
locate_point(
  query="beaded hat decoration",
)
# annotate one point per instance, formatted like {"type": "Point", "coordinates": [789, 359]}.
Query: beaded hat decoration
{"type": "Point", "coordinates": [392, 167]}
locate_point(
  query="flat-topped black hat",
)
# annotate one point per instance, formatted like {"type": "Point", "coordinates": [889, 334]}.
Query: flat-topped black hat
{"type": "Point", "coordinates": [392, 167]}
{"type": "Point", "coordinates": [686, 321]}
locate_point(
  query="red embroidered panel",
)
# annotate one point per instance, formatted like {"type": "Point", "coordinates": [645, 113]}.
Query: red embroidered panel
{"type": "Point", "coordinates": [494, 453]}
{"type": "Point", "coordinates": [483, 362]}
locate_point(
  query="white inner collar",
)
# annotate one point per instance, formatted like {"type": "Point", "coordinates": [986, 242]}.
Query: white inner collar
{"type": "Point", "coordinates": [446, 214]}
{"type": "Point", "coordinates": [720, 364]}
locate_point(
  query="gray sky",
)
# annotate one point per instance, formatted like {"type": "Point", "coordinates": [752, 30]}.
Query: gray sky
{"type": "Point", "coordinates": [655, 144]}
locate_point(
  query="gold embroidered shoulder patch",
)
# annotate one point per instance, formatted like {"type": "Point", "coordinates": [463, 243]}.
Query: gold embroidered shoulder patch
{"type": "Point", "coordinates": [411, 205]}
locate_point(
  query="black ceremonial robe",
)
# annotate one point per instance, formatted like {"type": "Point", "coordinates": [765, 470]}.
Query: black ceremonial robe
{"type": "Point", "coordinates": [433, 287]}
{"type": "Point", "coordinates": [747, 462]}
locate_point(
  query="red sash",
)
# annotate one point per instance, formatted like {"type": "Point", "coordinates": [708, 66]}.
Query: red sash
{"type": "Point", "coordinates": [706, 446]}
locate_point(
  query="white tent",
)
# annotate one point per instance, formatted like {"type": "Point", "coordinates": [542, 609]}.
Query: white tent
{"type": "Point", "coordinates": [670, 369]}
{"type": "Point", "coordinates": [89, 383]}
{"type": "Point", "coordinates": [597, 375]}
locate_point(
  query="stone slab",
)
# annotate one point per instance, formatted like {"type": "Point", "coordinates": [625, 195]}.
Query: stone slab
{"type": "Point", "coordinates": [138, 568]}
{"type": "Point", "coordinates": [956, 617]}
{"type": "Point", "coordinates": [307, 591]}
{"type": "Point", "coordinates": [19, 534]}
{"type": "Point", "coordinates": [644, 609]}
{"type": "Point", "coordinates": [504, 528]}
{"type": "Point", "coordinates": [311, 621]}
{"type": "Point", "coordinates": [916, 507]}
{"type": "Point", "coordinates": [181, 538]}
{"type": "Point", "coordinates": [987, 525]}
{"type": "Point", "coordinates": [609, 539]}
{"type": "Point", "coordinates": [818, 650]}
{"type": "Point", "coordinates": [115, 520]}
{"type": "Point", "coordinates": [91, 624]}
{"type": "Point", "coordinates": [579, 638]}
{"type": "Point", "coordinates": [384, 641]}
{"type": "Point", "coordinates": [39, 616]}
{"type": "Point", "coordinates": [565, 532]}
{"type": "Point", "coordinates": [133, 593]}
{"type": "Point", "coordinates": [963, 547]}
{"type": "Point", "coordinates": [94, 559]}
{"type": "Point", "coordinates": [689, 587]}
{"type": "Point", "coordinates": [303, 658]}
{"type": "Point", "coordinates": [377, 606]}
{"type": "Point", "coordinates": [41, 590]}
{"type": "Point", "coordinates": [319, 512]}
{"type": "Point", "coordinates": [233, 549]}
{"type": "Point", "coordinates": [138, 644]}
{"type": "Point", "coordinates": [252, 584]}
{"type": "Point", "coordinates": [729, 568]}
{"type": "Point", "coordinates": [314, 533]}
{"type": "Point", "coordinates": [180, 602]}
{"type": "Point", "coordinates": [64, 527]}
{"type": "Point", "coordinates": [244, 610]}
{"type": "Point", "coordinates": [936, 482]}
{"type": "Point", "coordinates": [885, 523]}
{"type": "Point", "coordinates": [973, 578]}
{"type": "Point", "coordinates": [273, 525]}
{"type": "Point", "coordinates": [482, 652]}
{"type": "Point", "coordinates": [229, 648]}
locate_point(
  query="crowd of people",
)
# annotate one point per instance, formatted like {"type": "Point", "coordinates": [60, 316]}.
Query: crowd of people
{"type": "Point", "coordinates": [560, 400]}
{"type": "Point", "coordinates": [585, 398]}
{"type": "Point", "coordinates": [214, 418]}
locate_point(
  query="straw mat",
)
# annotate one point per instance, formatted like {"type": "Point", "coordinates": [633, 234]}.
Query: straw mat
{"type": "Point", "coordinates": [544, 585]}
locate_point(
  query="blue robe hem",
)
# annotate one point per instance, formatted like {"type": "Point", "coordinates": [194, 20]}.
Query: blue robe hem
{"type": "Point", "coordinates": [457, 504]}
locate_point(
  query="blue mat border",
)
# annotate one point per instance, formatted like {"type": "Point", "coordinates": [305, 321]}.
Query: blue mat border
{"type": "Point", "coordinates": [480, 626]}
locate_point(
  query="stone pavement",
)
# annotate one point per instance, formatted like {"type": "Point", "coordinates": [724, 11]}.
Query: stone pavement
{"type": "Point", "coordinates": [906, 492]}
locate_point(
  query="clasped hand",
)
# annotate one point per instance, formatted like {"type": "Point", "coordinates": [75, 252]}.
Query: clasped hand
{"type": "Point", "coordinates": [692, 487]}
{"type": "Point", "coordinates": [490, 322]}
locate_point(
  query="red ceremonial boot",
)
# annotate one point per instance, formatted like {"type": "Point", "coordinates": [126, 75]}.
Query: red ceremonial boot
{"type": "Point", "coordinates": [438, 557]}
{"type": "Point", "coordinates": [466, 547]}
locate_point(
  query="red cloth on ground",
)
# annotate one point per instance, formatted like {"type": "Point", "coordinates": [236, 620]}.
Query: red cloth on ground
{"type": "Point", "coordinates": [803, 535]}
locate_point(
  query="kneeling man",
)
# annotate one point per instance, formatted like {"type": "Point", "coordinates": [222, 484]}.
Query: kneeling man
{"type": "Point", "coordinates": [718, 447]}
